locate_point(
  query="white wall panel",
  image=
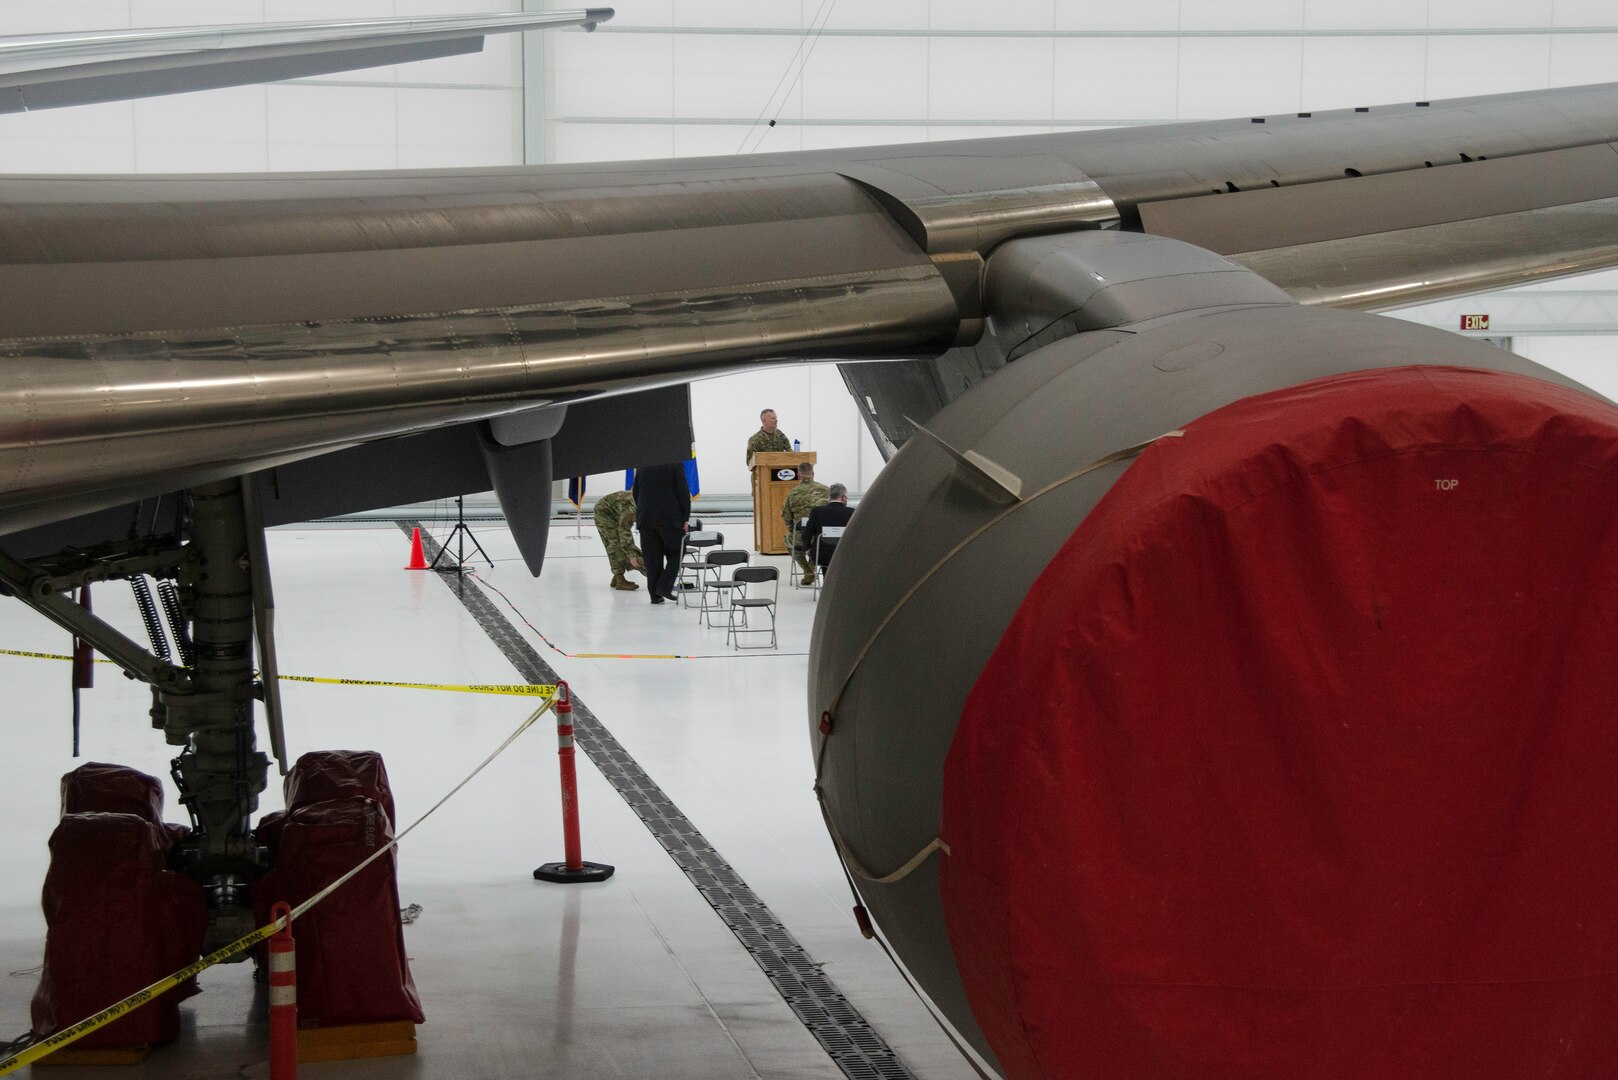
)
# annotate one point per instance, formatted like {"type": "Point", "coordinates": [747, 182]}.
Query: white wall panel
{"type": "Point", "coordinates": [113, 120]}
{"type": "Point", "coordinates": [320, 157]}
{"type": "Point", "coordinates": [944, 133]}
{"type": "Point", "coordinates": [1581, 12]}
{"type": "Point", "coordinates": [877, 14]}
{"type": "Point", "coordinates": [776, 13]}
{"type": "Point", "coordinates": [830, 138]}
{"type": "Point", "coordinates": [235, 114]}
{"type": "Point", "coordinates": [302, 10]}
{"type": "Point", "coordinates": [991, 78]}
{"type": "Point", "coordinates": [632, 76]}
{"type": "Point", "coordinates": [611, 142]}
{"type": "Point", "coordinates": [158, 155]}
{"type": "Point", "coordinates": [636, 12]}
{"type": "Point", "coordinates": [1118, 78]}
{"type": "Point", "coordinates": [1342, 73]}
{"type": "Point", "coordinates": [1222, 77]}
{"type": "Point", "coordinates": [91, 138]}
{"type": "Point", "coordinates": [728, 76]}
{"type": "Point", "coordinates": [1471, 14]}
{"type": "Point", "coordinates": [708, 140]}
{"type": "Point", "coordinates": [472, 126]}
{"type": "Point", "coordinates": [187, 13]}
{"type": "Point", "coordinates": [1592, 361]}
{"type": "Point", "coordinates": [1242, 15]}
{"type": "Point", "coordinates": [53, 154]}
{"type": "Point", "coordinates": [220, 131]}
{"type": "Point", "coordinates": [62, 16]}
{"type": "Point", "coordinates": [1462, 66]}
{"type": "Point", "coordinates": [867, 78]}
{"type": "Point", "coordinates": [1364, 15]}
{"type": "Point", "coordinates": [1111, 15]}
{"type": "Point", "coordinates": [367, 119]}
{"type": "Point", "coordinates": [1579, 60]}
{"type": "Point", "coordinates": [999, 15]}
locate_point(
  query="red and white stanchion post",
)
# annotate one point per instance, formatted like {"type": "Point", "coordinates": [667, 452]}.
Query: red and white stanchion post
{"type": "Point", "coordinates": [283, 999]}
{"type": "Point", "coordinates": [574, 868]}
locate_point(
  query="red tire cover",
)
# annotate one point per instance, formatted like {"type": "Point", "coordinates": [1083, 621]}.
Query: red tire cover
{"type": "Point", "coordinates": [117, 921]}
{"type": "Point", "coordinates": [99, 788]}
{"type": "Point", "coordinates": [320, 775]}
{"type": "Point", "coordinates": [351, 958]}
{"type": "Point", "coordinates": [1299, 759]}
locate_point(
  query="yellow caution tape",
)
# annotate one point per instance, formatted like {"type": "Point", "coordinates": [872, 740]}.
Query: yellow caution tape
{"type": "Point", "coordinates": [42, 655]}
{"type": "Point", "coordinates": [504, 689]}
{"type": "Point", "coordinates": [134, 1001]}
{"type": "Point", "coordinates": [631, 656]}
{"type": "Point", "coordinates": [510, 690]}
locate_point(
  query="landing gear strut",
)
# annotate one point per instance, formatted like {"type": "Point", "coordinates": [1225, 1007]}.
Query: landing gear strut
{"type": "Point", "coordinates": [217, 561]}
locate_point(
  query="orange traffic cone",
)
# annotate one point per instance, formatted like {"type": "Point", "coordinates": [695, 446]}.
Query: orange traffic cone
{"type": "Point", "coordinates": [418, 561]}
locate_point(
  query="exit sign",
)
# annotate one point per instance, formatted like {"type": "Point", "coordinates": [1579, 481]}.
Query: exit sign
{"type": "Point", "coordinates": [1474, 322]}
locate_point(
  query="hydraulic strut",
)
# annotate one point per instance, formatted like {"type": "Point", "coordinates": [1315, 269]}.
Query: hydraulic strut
{"type": "Point", "coordinates": [214, 591]}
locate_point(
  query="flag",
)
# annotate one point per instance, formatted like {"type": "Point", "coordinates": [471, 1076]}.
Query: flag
{"type": "Point", "coordinates": [691, 480]}
{"type": "Point", "coordinates": [575, 491]}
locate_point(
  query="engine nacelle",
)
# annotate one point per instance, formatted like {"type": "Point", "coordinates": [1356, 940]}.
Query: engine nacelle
{"type": "Point", "coordinates": [1282, 746]}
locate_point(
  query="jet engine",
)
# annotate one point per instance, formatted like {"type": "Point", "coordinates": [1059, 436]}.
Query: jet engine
{"type": "Point", "coordinates": [1230, 693]}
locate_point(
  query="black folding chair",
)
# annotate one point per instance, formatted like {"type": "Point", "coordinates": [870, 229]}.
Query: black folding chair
{"type": "Point", "coordinates": [825, 544]}
{"type": "Point", "coordinates": [742, 602]}
{"type": "Point", "coordinates": [693, 562]}
{"type": "Point", "coordinates": [716, 589]}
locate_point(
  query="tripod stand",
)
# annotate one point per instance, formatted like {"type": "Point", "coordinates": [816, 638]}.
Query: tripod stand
{"type": "Point", "coordinates": [460, 534]}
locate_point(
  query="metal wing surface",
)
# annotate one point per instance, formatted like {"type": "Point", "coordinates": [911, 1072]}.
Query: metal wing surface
{"type": "Point", "coordinates": [50, 72]}
{"type": "Point", "coordinates": [164, 331]}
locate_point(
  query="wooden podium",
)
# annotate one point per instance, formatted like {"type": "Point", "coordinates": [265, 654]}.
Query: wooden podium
{"type": "Point", "coordinates": [769, 493]}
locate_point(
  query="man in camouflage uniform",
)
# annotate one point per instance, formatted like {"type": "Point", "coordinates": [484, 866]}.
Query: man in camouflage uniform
{"type": "Point", "coordinates": [615, 514]}
{"type": "Point", "coordinates": [800, 500]}
{"type": "Point", "coordinates": [767, 440]}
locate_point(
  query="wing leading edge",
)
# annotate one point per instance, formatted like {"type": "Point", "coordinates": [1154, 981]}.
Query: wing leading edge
{"type": "Point", "coordinates": [117, 65]}
{"type": "Point", "coordinates": [165, 330]}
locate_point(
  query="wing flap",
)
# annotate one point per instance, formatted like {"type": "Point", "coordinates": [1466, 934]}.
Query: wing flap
{"type": "Point", "coordinates": [1380, 271]}
{"type": "Point", "coordinates": [1274, 217]}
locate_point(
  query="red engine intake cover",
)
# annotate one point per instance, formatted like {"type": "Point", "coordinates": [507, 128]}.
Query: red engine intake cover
{"type": "Point", "coordinates": [1308, 738]}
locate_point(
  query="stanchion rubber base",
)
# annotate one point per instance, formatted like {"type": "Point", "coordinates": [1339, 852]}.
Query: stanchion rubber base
{"type": "Point", "coordinates": [558, 872]}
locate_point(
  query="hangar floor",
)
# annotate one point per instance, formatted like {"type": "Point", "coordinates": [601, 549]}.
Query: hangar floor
{"type": "Point", "coordinates": [633, 977]}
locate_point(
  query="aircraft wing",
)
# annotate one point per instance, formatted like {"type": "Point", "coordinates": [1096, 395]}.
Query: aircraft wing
{"type": "Point", "coordinates": [164, 331]}
{"type": "Point", "coordinates": [49, 72]}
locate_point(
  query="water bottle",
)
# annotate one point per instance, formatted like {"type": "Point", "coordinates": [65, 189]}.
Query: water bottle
{"type": "Point", "coordinates": [795, 446]}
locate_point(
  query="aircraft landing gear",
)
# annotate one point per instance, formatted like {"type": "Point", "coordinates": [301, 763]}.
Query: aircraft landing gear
{"type": "Point", "coordinates": [220, 605]}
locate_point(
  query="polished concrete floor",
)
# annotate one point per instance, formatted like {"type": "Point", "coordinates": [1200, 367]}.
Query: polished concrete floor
{"type": "Point", "coordinates": [633, 977]}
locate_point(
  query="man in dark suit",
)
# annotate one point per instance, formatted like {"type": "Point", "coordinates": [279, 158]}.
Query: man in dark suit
{"type": "Point", "coordinates": [662, 507]}
{"type": "Point", "coordinates": [836, 512]}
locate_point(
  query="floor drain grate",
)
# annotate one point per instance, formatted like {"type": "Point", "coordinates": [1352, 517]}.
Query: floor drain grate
{"type": "Point", "coordinates": [835, 1023]}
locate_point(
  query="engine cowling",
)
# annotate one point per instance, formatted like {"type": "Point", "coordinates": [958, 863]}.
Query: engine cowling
{"type": "Point", "coordinates": [1279, 746]}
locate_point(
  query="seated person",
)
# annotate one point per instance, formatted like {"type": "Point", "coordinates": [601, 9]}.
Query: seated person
{"type": "Point", "coordinates": [800, 500]}
{"type": "Point", "coordinates": [835, 512]}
